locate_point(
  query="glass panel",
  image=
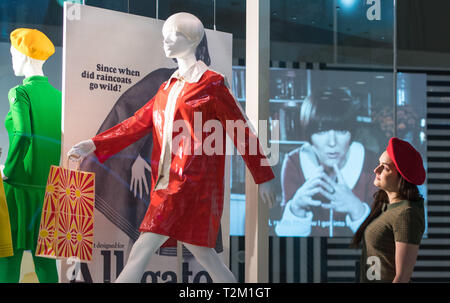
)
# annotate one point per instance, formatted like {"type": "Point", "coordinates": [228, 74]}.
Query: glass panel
{"type": "Point", "coordinates": [17, 14]}
{"type": "Point", "coordinates": [411, 114]}
{"type": "Point", "coordinates": [331, 82]}
{"type": "Point", "coordinates": [334, 99]}
{"type": "Point", "coordinates": [116, 5]}
{"type": "Point", "coordinates": [204, 10]}
{"type": "Point", "coordinates": [143, 8]}
{"type": "Point", "coordinates": [342, 46]}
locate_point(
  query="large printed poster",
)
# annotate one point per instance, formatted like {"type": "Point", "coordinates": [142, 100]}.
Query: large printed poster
{"type": "Point", "coordinates": [113, 64]}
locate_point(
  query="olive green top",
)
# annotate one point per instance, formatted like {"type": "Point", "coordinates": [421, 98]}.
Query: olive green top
{"type": "Point", "coordinates": [402, 221]}
{"type": "Point", "coordinates": [33, 124]}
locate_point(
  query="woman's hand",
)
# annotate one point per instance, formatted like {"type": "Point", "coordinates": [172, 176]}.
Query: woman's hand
{"type": "Point", "coordinates": [138, 176]}
{"type": "Point", "coordinates": [81, 149]}
{"type": "Point", "coordinates": [302, 199]}
{"type": "Point", "coordinates": [342, 198]}
{"type": "Point", "coordinates": [267, 193]}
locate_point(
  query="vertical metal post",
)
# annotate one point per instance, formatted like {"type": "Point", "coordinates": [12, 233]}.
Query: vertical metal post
{"type": "Point", "coordinates": [180, 262]}
{"type": "Point", "coordinates": [335, 32]}
{"type": "Point", "coordinates": [157, 9]}
{"type": "Point", "coordinates": [214, 14]}
{"type": "Point", "coordinates": [257, 109]}
{"type": "Point", "coordinates": [394, 76]}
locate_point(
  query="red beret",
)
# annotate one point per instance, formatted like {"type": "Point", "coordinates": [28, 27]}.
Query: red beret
{"type": "Point", "coordinates": [407, 160]}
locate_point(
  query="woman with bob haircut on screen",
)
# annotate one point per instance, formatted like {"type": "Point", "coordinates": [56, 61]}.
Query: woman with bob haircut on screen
{"type": "Point", "coordinates": [327, 182]}
{"type": "Point", "coordinates": [392, 232]}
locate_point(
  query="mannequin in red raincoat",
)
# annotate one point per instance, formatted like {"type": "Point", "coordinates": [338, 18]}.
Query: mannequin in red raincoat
{"type": "Point", "coordinates": [187, 170]}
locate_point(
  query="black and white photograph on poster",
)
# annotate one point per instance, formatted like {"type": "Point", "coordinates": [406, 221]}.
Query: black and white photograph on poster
{"type": "Point", "coordinates": [109, 74]}
{"type": "Point", "coordinates": [334, 125]}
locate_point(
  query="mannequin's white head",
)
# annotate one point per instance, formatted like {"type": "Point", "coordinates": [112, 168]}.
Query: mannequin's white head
{"type": "Point", "coordinates": [24, 65]}
{"type": "Point", "coordinates": [182, 34]}
{"type": "Point", "coordinates": [18, 61]}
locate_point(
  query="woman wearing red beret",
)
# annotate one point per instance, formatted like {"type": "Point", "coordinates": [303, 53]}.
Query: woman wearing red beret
{"type": "Point", "coordinates": [392, 232]}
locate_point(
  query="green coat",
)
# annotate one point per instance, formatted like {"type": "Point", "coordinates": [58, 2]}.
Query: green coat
{"type": "Point", "coordinates": [34, 128]}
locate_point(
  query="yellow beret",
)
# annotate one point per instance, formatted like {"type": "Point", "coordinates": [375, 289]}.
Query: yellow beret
{"type": "Point", "coordinates": [32, 43]}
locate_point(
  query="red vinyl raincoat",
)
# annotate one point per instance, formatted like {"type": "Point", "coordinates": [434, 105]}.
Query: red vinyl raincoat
{"type": "Point", "coordinates": [187, 201]}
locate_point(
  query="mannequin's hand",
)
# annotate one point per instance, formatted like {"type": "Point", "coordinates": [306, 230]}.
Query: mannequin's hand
{"type": "Point", "coordinates": [81, 149]}
{"type": "Point", "coordinates": [267, 193]}
{"type": "Point", "coordinates": [2, 167]}
{"type": "Point", "coordinates": [138, 176]}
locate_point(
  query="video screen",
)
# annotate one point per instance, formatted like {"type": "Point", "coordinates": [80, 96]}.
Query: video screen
{"type": "Point", "coordinates": [333, 127]}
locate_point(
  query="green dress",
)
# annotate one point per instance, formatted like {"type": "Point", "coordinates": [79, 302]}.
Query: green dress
{"type": "Point", "coordinates": [34, 128]}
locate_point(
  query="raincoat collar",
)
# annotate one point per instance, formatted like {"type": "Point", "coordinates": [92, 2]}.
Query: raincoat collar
{"type": "Point", "coordinates": [192, 75]}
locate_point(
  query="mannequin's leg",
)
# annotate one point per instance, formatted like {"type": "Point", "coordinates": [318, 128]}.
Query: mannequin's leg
{"type": "Point", "coordinates": [10, 267]}
{"type": "Point", "coordinates": [140, 255]}
{"type": "Point", "coordinates": [210, 260]}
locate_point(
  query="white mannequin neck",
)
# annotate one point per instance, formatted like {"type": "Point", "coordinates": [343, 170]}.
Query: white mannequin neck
{"type": "Point", "coordinates": [185, 63]}
{"type": "Point", "coordinates": [30, 70]}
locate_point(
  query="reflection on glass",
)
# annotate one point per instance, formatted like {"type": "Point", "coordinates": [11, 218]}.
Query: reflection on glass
{"type": "Point", "coordinates": [352, 122]}
{"type": "Point", "coordinates": [330, 166]}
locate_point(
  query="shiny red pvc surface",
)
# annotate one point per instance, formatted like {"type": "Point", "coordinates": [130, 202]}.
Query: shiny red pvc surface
{"type": "Point", "coordinates": [190, 208]}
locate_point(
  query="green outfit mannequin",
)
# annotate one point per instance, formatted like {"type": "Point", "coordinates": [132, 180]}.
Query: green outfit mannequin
{"type": "Point", "coordinates": [34, 128]}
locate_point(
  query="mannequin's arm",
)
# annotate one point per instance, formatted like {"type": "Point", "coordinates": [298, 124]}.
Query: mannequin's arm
{"type": "Point", "coordinates": [123, 134]}
{"type": "Point", "coordinates": [236, 125]}
{"type": "Point", "coordinates": [20, 111]}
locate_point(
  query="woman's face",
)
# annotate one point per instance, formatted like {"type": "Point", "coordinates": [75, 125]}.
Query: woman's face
{"type": "Point", "coordinates": [386, 175]}
{"type": "Point", "coordinates": [331, 146]}
{"type": "Point", "coordinates": [176, 44]}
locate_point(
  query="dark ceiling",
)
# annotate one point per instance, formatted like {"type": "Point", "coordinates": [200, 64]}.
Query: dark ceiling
{"type": "Point", "coordinates": [422, 24]}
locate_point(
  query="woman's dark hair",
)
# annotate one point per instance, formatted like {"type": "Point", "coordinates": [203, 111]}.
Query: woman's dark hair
{"type": "Point", "coordinates": [202, 52]}
{"type": "Point", "coordinates": [406, 191]}
{"type": "Point", "coordinates": [325, 110]}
